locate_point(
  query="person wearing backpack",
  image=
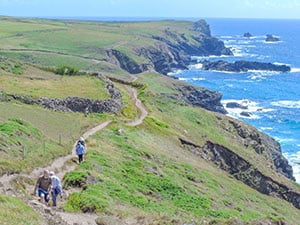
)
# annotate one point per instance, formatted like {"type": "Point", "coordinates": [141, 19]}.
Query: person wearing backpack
{"type": "Point", "coordinates": [56, 187]}
{"type": "Point", "coordinates": [80, 149]}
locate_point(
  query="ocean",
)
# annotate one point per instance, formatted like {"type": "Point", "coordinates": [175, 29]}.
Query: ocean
{"type": "Point", "coordinates": [273, 98]}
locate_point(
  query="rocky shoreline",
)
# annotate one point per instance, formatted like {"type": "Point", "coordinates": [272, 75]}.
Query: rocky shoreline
{"type": "Point", "coordinates": [171, 51]}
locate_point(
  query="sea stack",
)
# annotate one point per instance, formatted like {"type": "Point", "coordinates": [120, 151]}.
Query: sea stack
{"type": "Point", "coordinates": [247, 35]}
{"type": "Point", "coordinates": [271, 38]}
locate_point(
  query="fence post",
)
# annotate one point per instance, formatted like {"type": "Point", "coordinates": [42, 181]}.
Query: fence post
{"type": "Point", "coordinates": [23, 153]}
{"type": "Point", "coordinates": [59, 139]}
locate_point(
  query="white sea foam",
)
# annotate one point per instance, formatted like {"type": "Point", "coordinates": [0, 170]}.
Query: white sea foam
{"type": "Point", "coordinates": [272, 42]}
{"type": "Point", "coordinates": [294, 160]}
{"type": "Point", "coordinates": [284, 140]}
{"type": "Point", "coordinates": [279, 63]}
{"type": "Point", "coordinates": [199, 58]}
{"type": "Point", "coordinates": [227, 37]}
{"type": "Point", "coordinates": [183, 79]}
{"type": "Point", "coordinates": [264, 72]}
{"type": "Point", "coordinates": [266, 128]}
{"type": "Point", "coordinates": [295, 70]}
{"type": "Point", "coordinates": [174, 73]}
{"type": "Point", "coordinates": [196, 66]}
{"type": "Point", "coordinates": [222, 71]}
{"type": "Point", "coordinates": [287, 104]}
{"type": "Point", "coordinates": [198, 78]}
{"type": "Point", "coordinates": [259, 75]}
{"type": "Point", "coordinates": [258, 37]}
{"type": "Point", "coordinates": [251, 107]}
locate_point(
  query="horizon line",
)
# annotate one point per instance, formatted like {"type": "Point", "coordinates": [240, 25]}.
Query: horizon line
{"type": "Point", "coordinates": [144, 17]}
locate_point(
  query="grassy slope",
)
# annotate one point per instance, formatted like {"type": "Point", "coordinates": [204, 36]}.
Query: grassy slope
{"type": "Point", "coordinates": [14, 211]}
{"type": "Point", "coordinates": [22, 79]}
{"type": "Point", "coordinates": [145, 173]}
{"type": "Point", "coordinates": [42, 134]}
{"type": "Point", "coordinates": [67, 42]}
{"type": "Point", "coordinates": [31, 136]}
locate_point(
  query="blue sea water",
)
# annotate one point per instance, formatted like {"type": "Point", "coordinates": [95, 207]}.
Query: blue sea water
{"type": "Point", "coordinates": [272, 98]}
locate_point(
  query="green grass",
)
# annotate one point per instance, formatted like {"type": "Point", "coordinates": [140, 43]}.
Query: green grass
{"type": "Point", "coordinates": [38, 83]}
{"type": "Point", "coordinates": [14, 211]}
{"type": "Point", "coordinates": [135, 170]}
{"type": "Point", "coordinates": [142, 172]}
{"type": "Point", "coordinates": [73, 42]}
{"type": "Point", "coordinates": [24, 144]}
{"type": "Point", "coordinates": [147, 170]}
{"type": "Point", "coordinates": [37, 136]}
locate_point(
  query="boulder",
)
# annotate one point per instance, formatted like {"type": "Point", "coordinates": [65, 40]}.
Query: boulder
{"type": "Point", "coordinates": [271, 38]}
{"type": "Point", "coordinates": [235, 105]}
{"type": "Point", "coordinates": [246, 114]}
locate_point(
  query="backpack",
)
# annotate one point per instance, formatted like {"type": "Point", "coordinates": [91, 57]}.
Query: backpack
{"type": "Point", "coordinates": [80, 149]}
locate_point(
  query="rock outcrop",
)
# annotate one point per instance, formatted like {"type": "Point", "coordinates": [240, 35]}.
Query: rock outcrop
{"type": "Point", "coordinates": [171, 50]}
{"type": "Point", "coordinates": [271, 38]}
{"type": "Point", "coordinates": [263, 145]}
{"type": "Point", "coordinates": [247, 35]}
{"type": "Point", "coordinates": [74, 104]}
{"type": "Point", "coordinates": [201, 97]}
{"type": "Point", "coordinates": [243, 66]}
{"type": "Point", "coordinates": [242, 170]}
{"type": "Point", "coordinates": [236, 105]}
{"type": "Point", "coordinates": [125, 62]}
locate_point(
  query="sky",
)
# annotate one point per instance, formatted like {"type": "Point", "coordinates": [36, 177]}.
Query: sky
{"type": "Point", "coordinates": [287, 9]}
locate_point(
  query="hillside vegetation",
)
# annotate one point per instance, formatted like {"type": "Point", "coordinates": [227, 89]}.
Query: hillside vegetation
{"type": "Point", "coordinates": [114, 48]}
{"type": "Point", "coordinates": [163, 171]}
{"type": "Point", "coordinates": [145, 173]}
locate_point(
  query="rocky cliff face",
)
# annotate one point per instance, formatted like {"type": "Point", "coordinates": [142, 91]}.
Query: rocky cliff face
{"type": "Point", "coordinates": [242, 170]}
{"type": "Point", "coordinates": [172, 50]}
{"type": "Point", "coordinates": [201, 97]}
{"type": "Point", "coordinates": [265, 146]}
{"type": "Point", "coordinates": [123, 61]}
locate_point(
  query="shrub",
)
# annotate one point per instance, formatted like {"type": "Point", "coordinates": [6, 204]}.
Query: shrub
{"type": "Point", "coordinates": [66, 70]}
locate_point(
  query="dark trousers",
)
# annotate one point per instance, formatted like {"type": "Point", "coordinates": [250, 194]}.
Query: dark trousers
{"type": "Point", "coordinates": [80, 158]}
{"type": "Point", "coordinates": [54, 193]}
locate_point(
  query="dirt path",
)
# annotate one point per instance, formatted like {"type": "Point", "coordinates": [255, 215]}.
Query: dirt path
{"type": "Point", "coordinates": [61, 166]}
{"type": "Point", "coordinates": [140, 107]}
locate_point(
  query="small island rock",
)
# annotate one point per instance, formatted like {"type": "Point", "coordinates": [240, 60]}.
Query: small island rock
{"type": "Point", "coordinates": [243, 66]}
{"type": "Point", "coordinates": [247, 35]}
{"type": "Point", "coordinates": [271, 38]}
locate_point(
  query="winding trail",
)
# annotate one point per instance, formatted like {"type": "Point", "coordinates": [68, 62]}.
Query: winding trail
{"type": "Point", "coordinates": [140, 118]}
{"type": "Point", "coordinates": [61, 166]}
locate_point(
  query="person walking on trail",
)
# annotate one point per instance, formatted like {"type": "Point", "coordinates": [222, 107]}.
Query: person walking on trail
{"type": "Point", "coordinates": [80, 149]}
{"type": "Point", "coordinates": [43, 186]}
{"type": "Point", "coordinates": [56, 187]}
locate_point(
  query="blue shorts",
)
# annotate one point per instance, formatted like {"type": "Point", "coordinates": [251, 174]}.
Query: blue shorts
{"type": "Point", "coordinates": [42, 191]}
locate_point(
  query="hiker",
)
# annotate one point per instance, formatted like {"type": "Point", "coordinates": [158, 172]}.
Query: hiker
{"type": "Point", "coordinates": [43, 186]}
{"type": "Point", "coordinates": [80, 149]}
{"type": "Point", "coordinates": [56, 187]}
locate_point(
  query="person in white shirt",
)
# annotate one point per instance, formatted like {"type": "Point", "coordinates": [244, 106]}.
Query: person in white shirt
{"type": "Point", "coordinates": [56, 187]}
